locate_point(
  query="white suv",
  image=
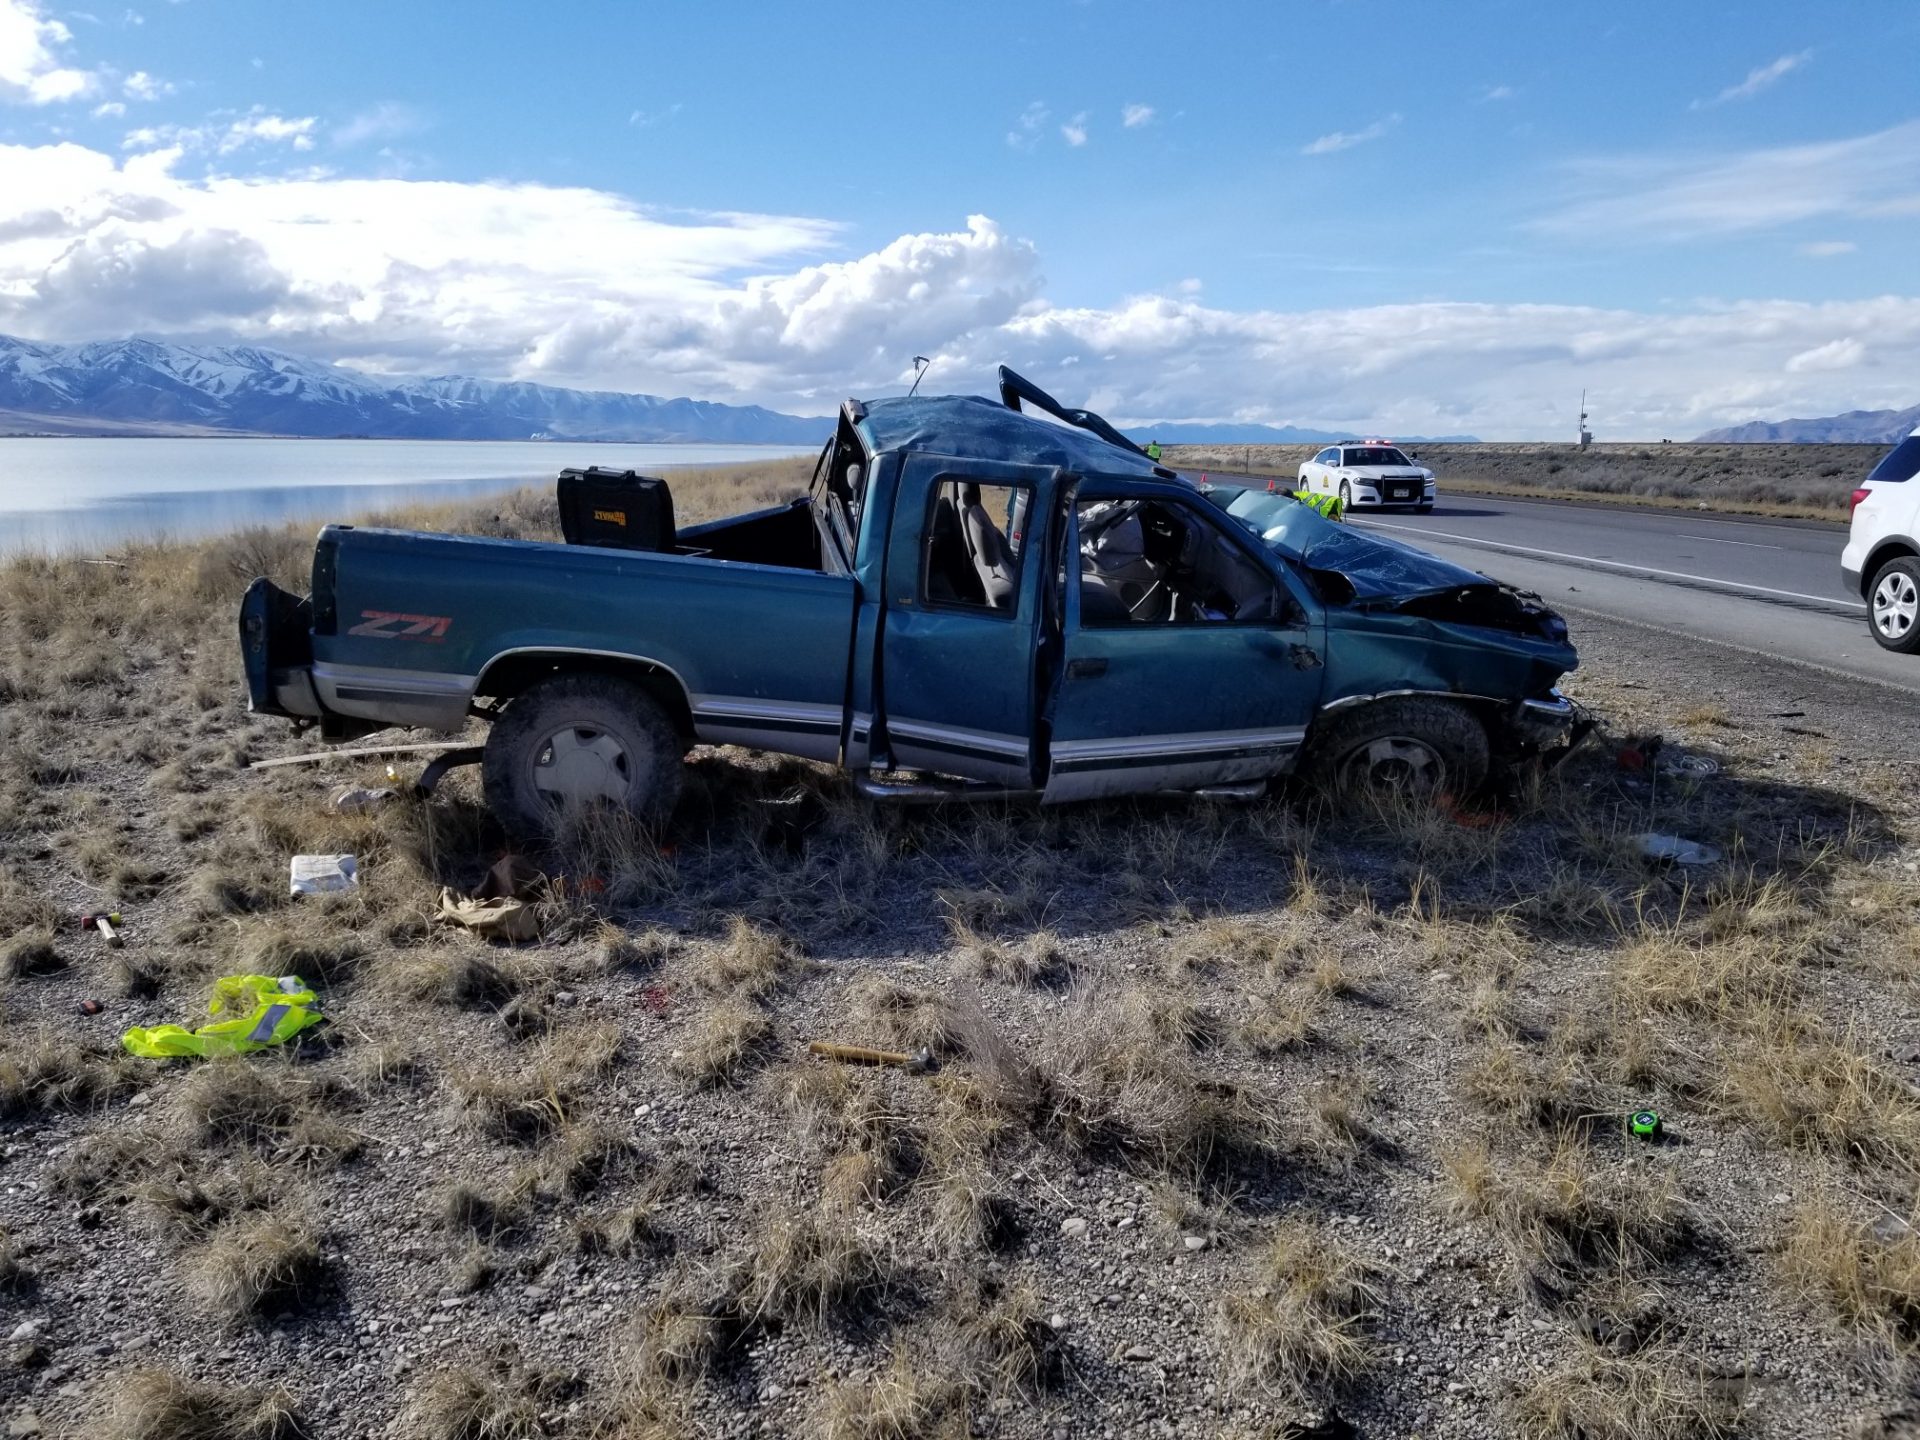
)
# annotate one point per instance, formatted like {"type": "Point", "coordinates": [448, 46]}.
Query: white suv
{"type": "Point", "coordinates": [1368, 474]}
{"type": "Point", "coordinates": [1882, 558]}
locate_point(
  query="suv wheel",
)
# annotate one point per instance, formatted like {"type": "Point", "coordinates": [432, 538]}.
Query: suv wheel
{"type": "Point", "coordinates": [1408, 745]}
{"type": "Point", "coordinates": [1893, 601]}
{"type": "Point", "coordinates": [579, 741]}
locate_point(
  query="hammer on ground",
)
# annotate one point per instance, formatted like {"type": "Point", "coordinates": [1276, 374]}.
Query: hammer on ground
{"type": "Point", "coordinates": [106, 923]}
{"type": "Point", "coordinates": [918, 1063]}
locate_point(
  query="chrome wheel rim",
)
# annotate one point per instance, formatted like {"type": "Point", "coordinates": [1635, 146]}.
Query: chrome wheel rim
{"type": "Point", "coordinates": [1396, 763]}
{"type": "Point", "coordinates": [1896, 605]}
{"type": "Point", "coordinates": [580, 764]}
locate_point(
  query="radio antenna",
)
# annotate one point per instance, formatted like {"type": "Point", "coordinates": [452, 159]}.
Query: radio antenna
{"type": "Point", "coordinates": [921, 364]}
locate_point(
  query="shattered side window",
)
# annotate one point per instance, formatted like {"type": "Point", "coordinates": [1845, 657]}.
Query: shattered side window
{"type": "Point", "coordinates": [1150, 562]}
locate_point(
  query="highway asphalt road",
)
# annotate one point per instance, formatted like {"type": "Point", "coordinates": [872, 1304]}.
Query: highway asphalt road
{"type": "Point", "coordinates": [1765, 586]}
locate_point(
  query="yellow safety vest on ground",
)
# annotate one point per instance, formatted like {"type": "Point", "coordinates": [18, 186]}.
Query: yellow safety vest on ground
{"type": "Point", "coordinates": [264, 1011]}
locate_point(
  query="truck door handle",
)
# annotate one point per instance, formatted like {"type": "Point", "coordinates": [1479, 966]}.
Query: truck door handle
{"type": "Point", "coordinates": [1086, 669]}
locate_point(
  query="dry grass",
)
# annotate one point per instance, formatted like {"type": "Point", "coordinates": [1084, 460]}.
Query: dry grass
{"type": "Point", "coordinates": [729, 1038]}
{"type": "Point", "coordinates": [1523, 1086]}
{"type": "Point", "coordinates": [674, 1339]}
{"type": "Point", "coordinates": [1566, 1217]}
{"type": "Point", "coordinates": [256, 1263]}
{"type": "Point", "coordinates": [522, 1107]}
{"type": "Point", "coordinates": [906, 1400]}
{"type": "Point", "coordinates": [1303, 1331]}
{"type": "Point", "coordinates": [499, 1399]}
{"type": "Point", "coordinates": [1803, 1088]}
{"type": "Point", "coordinates": [269, 1105]}
{"type": "Point", "coordinates": [482, 1216]}
{"type": "Point", "coordinates": [751, 962]}
{"type": "Point", "coordinates": [16, 1277]}
{"type": "Point", "coordinates": [889, 1014]}
{"type": "Point", "coordinates": [811, 1266]}
{"type": "Point", "coordinates": [1652, 1395]}
{"type": "Point", "coordinates": [1870, 1275]}
{"type": "Point", "coordinates": [41, 1072]}
{"type": "Point", "coordinates": [155, 1404]}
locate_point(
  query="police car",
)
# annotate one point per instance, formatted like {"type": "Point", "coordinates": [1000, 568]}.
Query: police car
{"type": "Point", "coordinates": [1368, 475]}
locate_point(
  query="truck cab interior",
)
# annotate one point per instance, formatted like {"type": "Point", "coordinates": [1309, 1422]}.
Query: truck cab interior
{"type": "Point", "coordinates": [1149, 562]}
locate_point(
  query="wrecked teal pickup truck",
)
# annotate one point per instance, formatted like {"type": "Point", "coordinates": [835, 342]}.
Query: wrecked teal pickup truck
{"type": "Point", "coordinates": [972, 600]}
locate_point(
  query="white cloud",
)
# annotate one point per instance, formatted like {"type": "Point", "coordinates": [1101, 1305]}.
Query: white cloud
{"type": "Point", "coordinates": [576, 286]}
{"type": "Point", "coordinates": [1345, 140]}
{"type": "Point", "coordinates": [1026, 130]}
{"type": "Point", "coordinates": [1842, 354]}
{"type": "Point", "coordinates": [1496, 92]}
{"type": "Point", "coordinates": [1074, 132]}
{"type": "Point", "coordinates": [31, 69]}
{"type": "Point", "coordinates": [225, 135]}
{"type": "Point", "coordinates": [387, 120]}
{"type": "Point", "coordinates": [1828, 249]}
{"type": "Point", "coordinates": [646, 119]}
{"type": "Point", "coordinates": [109, 110]}
{"type": "Point", "coordinates": [1134, 116]}
{"type": "Point", "coordinates": [1761, 77]}
{"type": "Point", "coordinates": [142, 86]}
{"type": "Point", "coordinates": [1667, 198]}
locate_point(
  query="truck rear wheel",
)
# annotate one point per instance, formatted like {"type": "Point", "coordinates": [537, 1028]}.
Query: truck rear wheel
{"type": "Point", "coordinates": [1409, 745]}
{"type": "Point", "coordinates": [578, 741]}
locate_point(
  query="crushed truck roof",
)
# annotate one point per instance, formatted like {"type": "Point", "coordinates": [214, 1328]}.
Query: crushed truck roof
{"type": "Point", "coordinates": [980, 428]}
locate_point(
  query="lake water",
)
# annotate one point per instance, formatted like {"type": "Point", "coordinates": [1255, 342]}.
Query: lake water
{"type": "Point", "coordinates": [64, 495]}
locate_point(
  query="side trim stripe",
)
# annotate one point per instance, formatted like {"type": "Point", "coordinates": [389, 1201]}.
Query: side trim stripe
{"type": "Point", "coordinates": [1164, 747]}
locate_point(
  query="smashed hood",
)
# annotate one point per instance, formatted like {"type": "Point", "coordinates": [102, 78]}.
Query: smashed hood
{"type": "Point", "coordinates": [1374, 567]}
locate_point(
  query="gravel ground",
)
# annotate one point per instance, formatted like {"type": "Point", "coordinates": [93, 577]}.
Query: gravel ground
{"type": "Point", "coordinates": [1153, 950]}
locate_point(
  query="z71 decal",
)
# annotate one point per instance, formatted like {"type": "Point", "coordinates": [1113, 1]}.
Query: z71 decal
{"type": "Point", "coordinates": [389, 625]}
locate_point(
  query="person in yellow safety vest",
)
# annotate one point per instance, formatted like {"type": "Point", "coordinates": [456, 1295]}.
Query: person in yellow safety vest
{"type": "Point", "coordinates": [1327, 505]}
{"type": "Point", "coordinates": [1153, 449]}
{"type": "Point", "coordinates": [263, 1010]}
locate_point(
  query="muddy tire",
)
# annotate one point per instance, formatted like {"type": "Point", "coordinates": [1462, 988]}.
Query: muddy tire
{"type": "Point", "coordinates": [1893, 603]}
{"type": "Point", "coordinates": [581, 740]}
{"type": "Point", "coordinates": [1410, 744]}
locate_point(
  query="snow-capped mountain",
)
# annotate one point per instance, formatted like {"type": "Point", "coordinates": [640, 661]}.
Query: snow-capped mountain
{"type": "Point", "coordinates": [126, 386]}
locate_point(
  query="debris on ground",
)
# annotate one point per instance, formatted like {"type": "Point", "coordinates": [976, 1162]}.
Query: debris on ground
{"type": "Point", "coordinates": [917, 1063]}
{"type": "Point", "coordinates": [1686, 765]}
{"type": "Point", "coordinates": [324, 874]}
{"type": "Point", "coordinates": [1637, 752]}
{"type": "Point", "coordinates": [358, 799]}
{"type": "Point", "coordinates": [108, 924]}
{"type": "Point", "coordinates": [1675, 850]}
{"type": "Point", "coordinates": [264, 1010]}
{"type": "Point", "coordinates": [501, 907]}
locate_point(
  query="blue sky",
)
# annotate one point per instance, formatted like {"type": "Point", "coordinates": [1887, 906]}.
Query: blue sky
{"type": "Point", "coordinates": [1412, 216]}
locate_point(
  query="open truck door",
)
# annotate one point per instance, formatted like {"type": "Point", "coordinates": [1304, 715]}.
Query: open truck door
{"type": "Point", "coordinates": [1186, 660]}
{"type": "Point", "coordinates": [955, 673]}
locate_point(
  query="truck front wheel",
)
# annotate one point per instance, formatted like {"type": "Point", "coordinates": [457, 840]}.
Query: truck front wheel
{"type": "Point", "coordinates": [579, 741]}
{"type": "Point", "coordinates": [1409, 744]}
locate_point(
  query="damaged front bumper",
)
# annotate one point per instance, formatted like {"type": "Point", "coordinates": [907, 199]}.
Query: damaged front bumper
{"type": "Point", "coordinates": [1551, 728]}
